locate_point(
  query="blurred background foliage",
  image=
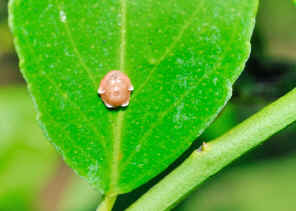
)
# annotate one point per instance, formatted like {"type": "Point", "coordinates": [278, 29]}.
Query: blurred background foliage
{"type": "Point", "coordinates": [34, 178]}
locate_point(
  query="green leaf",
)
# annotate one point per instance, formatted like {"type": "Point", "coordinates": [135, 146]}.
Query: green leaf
{"type": "Point", "coordinates": [216, 154]}
{"type": "Point", "coordinates": [181, 56]}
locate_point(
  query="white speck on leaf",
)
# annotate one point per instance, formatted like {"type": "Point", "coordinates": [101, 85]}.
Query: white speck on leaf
{"type": "Point", "coordinates": [92, 172]}
{"type": "Point", "coordinates": [138, 147]}
{"type": "Point", "coordinates": [180, 61]}
{"type": "Point", "coordinates": [180, 117]}
{"type": "Point", "coordinates": [182, 81]}
{"type": "Point", "coordinates": [63, 16]}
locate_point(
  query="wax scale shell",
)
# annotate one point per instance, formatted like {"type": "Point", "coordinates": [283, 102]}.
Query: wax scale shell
{"type": "Point", "coordinates": [115, 89]}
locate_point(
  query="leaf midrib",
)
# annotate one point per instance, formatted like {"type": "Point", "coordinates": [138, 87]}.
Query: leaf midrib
{"type": "Point", "coordinates": [117, 127]}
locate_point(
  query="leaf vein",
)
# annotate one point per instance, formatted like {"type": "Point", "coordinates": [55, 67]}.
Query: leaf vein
{"type": "Point", "coordinates": [65, 97]}
{"type": "Point", "coordinates": [117, 129]}
{"type": "Point", "coordinates": [164, 113]}
{"type": "Point", "coordinates": [76, 51]}
{"type": "Point", "coordinates": [170, 48]}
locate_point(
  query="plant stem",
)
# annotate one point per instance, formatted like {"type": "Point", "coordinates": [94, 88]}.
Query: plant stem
{"type": "Point", "coordinates": [213, 156]}
{"type": "Point", "coordinates": [107, 203]}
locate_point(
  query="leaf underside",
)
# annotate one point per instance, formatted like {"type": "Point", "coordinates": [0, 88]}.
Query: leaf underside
{"type": "Point", "coordinates": [181, 56]}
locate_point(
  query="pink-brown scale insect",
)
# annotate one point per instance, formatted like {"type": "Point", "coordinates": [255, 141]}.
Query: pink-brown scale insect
{"type": "Point", "coordinates": [115, 89]}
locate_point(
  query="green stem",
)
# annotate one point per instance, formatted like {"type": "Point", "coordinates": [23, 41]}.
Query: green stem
{"type": "Point", "coordinates": [213, 156]}
{"type": "Point", "coordinates": [107, 203]}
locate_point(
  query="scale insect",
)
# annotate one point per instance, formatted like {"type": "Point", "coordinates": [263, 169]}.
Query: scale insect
{"type": "Point", "coordinates": [115, 89]}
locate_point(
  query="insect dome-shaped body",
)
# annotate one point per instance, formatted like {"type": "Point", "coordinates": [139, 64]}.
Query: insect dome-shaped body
{"type": "Point", "coordinates": [115, 89]}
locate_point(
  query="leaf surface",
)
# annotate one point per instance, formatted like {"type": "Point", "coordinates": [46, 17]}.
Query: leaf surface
{"type": "Point", "coordinates": [181, 56]}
